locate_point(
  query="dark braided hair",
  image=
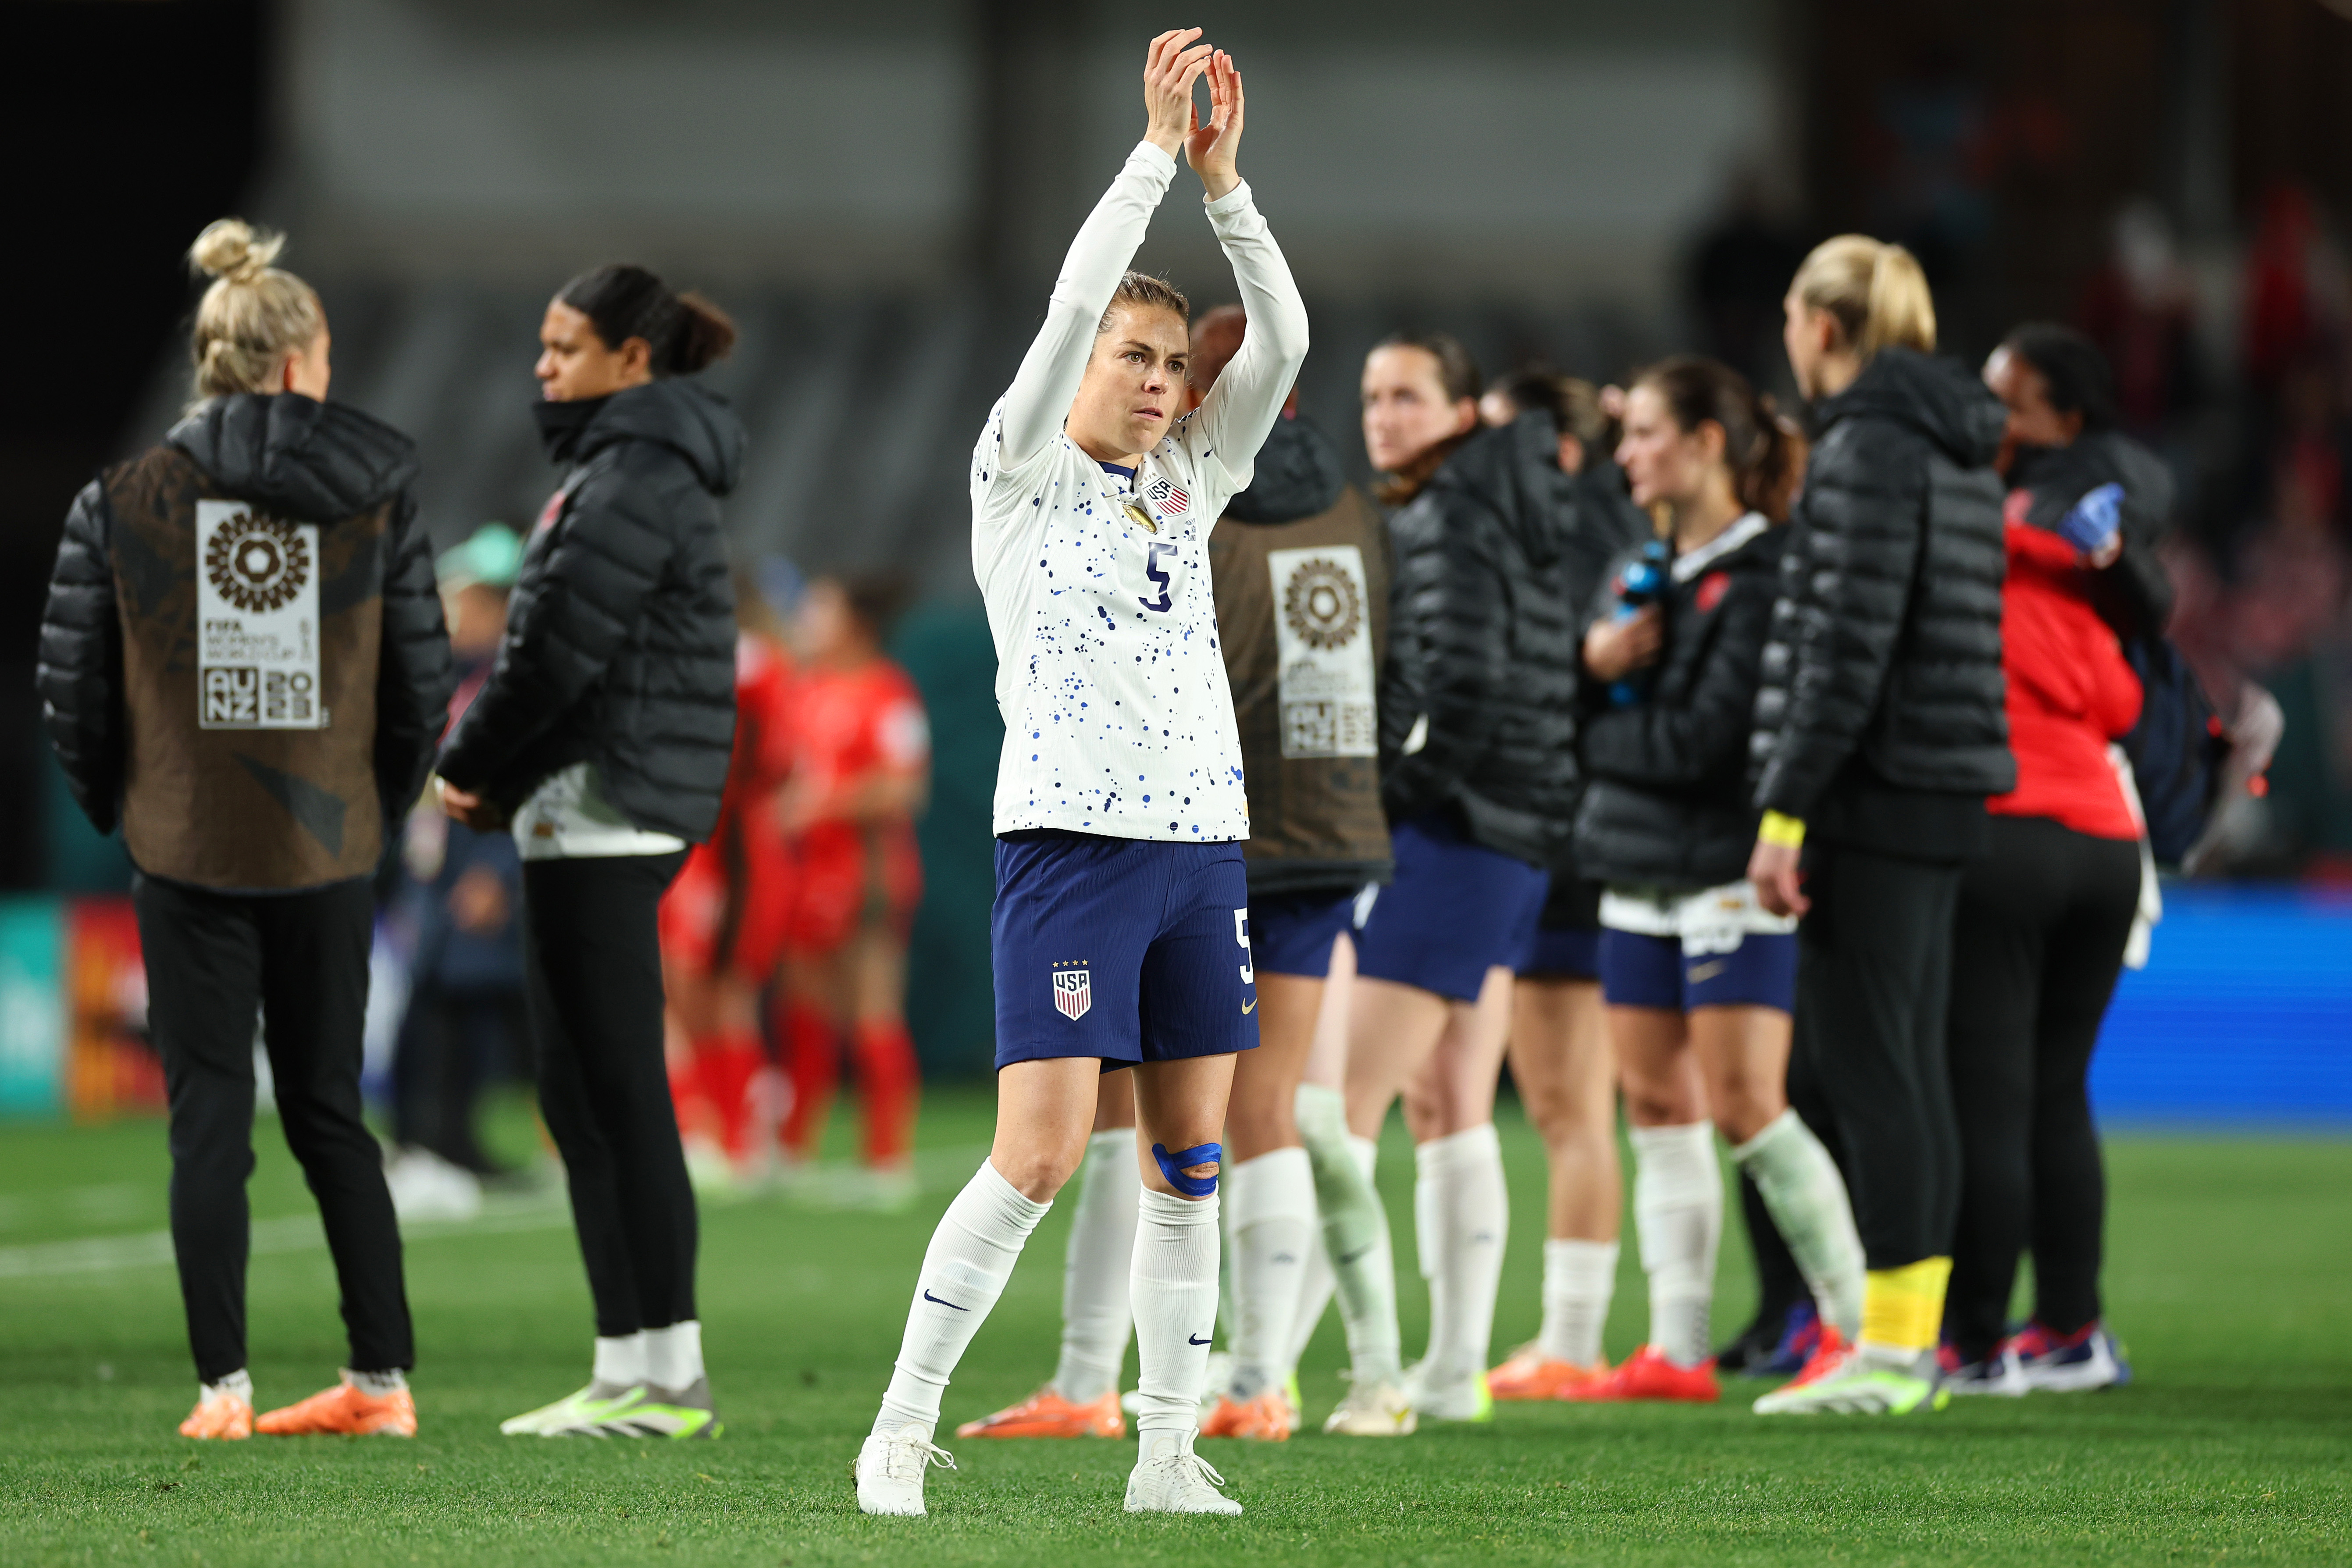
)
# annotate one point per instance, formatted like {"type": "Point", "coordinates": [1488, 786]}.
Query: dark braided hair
{"type": "Point", "coordinates": [2073, 368]}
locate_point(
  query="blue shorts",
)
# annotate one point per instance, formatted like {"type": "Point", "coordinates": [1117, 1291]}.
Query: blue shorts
{"type": "Point", "coordinates": [1455, 910]}
{"type": "Point", "coordinates": [1570, 953]}
{"type": "Point", "coordinates": [1291, 933]}
{"type": "Point", "coordinates": [1758, 970]}
{"type": "Point", "coordinates": [1128, 950]}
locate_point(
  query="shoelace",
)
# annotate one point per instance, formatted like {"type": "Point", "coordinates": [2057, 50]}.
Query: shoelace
{"type": "Point", "coordinates": [1201, 1470]}
{"type": "Point", "coordinates": [908, 1457]}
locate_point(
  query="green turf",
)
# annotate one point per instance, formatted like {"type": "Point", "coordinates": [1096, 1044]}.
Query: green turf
{"type": "Point", "coordinates": [2228, 1266]}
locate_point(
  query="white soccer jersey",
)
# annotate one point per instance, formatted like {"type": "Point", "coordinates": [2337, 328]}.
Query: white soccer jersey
{"type": "Point", "coordinates": [1117, 717]}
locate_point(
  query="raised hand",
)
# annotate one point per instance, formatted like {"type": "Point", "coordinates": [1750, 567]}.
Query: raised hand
{"type": "Point", "coordinates": [1211, 148]}
{"type": "Point", "coordinates": [1173, 65]}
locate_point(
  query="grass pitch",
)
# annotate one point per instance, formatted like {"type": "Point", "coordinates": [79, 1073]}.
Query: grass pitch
{"type": "Point", "coordinates": [2229, 1259]}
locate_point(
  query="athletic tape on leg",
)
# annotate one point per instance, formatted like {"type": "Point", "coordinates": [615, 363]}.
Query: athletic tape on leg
{"type": "Point", "coordinates": [1173, 1167]}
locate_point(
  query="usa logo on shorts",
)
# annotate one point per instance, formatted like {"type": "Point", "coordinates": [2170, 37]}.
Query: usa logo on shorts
{"type": "Point", "coordinates": [1074, 993]}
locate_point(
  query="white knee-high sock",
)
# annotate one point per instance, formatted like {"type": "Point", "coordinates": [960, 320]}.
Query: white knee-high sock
{"type": "Point", "coordinates": [1271, 1200]}
{"type": "Point", "coordinates": [1316, 1284]}
{"type": "Point", "coordinates": [1808, 1199]}
{"type": "Point", "coordinates": [1096, 1318]}
{"type": "Point", "coordinates": [1459, 1190]}
{"type": "Point", "coordinates": [971, 1255]}
{"type": "Point", "coordinates": [1578, 1279]}
{"type": "Point", "coordinates": [1174, 1291]}
{"type": "Point", "coordinates": [1355, 1238]}
{"type": "Point", "coordinates": [1678, 1208]}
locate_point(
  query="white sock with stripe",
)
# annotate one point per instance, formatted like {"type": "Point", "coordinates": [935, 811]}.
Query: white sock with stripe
{"type": "Point", "coordinates": [1174, 1291]}
{"type": "Point", "coordinates": [1271, 1201]}
{"type": "Point", "coordinates": [1096, 1317]}
{"type": "Point", "coordinates": [1678, 1209]}
{"type": "Point", "coordinates": [971, 1255]}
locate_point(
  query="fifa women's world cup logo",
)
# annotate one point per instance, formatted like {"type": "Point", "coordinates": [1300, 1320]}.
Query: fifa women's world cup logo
{"type": "Point", "coordinates": [1322, 604]}
{"type": "Point", "coordinates": [258, 563]}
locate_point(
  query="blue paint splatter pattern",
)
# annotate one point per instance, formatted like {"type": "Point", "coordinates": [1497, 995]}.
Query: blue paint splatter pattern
{"type": "Point", "coordinates": [1117, 716]}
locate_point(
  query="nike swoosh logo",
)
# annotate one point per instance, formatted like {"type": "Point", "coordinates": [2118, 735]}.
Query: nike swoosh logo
{"type": "Point", "coordinates": [1701, 973]}
{"type": "Point", "coordinates": [950, 1306]}
{"type": "Point", "coordinates": [1194, 1339]}
{"type": "Point", "coordinates": [1249, 1006]}
{"type": "Point", "coordinates": [1351, 1257]}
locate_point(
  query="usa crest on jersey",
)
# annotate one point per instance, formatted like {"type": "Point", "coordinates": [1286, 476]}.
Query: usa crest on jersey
{"type": "Point", "coordinates": [1073, 992]}
{"type": "Point", "coordinates": [1168, 496]}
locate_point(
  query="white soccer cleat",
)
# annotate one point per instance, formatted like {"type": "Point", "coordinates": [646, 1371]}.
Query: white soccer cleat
{"type": "Point", "coordinates": [1373, 1410]}
{"type": "Point", "coordinates": [890, 1471]}
{"type": "Point", "coordinates": [1179, 1482]}
{"type": "Point", "coordinates": [1463, 1398]}
{"type": "Point", "coordinates": [575, 1412]}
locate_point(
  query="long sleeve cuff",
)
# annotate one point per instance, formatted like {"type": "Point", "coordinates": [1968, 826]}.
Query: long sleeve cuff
{"type": "Point", "coordinates": [1224, 207]}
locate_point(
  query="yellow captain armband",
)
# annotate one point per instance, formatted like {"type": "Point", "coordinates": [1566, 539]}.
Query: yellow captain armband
{"type": "Point", "coordinates": [1788, 832]}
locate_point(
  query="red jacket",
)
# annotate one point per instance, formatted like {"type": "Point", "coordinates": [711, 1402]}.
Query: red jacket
{"type": "Point", "coordinates": [2070, 692]}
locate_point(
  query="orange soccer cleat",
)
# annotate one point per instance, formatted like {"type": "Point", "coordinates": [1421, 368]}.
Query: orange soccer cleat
{"type": "Point", "coordinates": [219, 1416]}
{"type": "Point", "coordinates": [344, 1410]}
{"type": "Point", "coordinates": [1269, 1419]}
{"type": "Point", "coordinates": [1046, 1414]}
{"type": "Point", "coordinates": [1648, 1376]}
{"type": "Point", "coordinates": [1531, 1374]}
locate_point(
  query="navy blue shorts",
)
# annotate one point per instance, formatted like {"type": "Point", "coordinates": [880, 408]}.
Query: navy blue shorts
{"type": "Point", "coordinates": [1128, 950]}
{"type": "Point", "coordinates": [1455, 910]}
{"type": "Point", "coordinates": [1759, 971]}
{"type": "Point", "coordinates": [1571, 954]}
{"type": "Point", "coordinates": [1291, 933]}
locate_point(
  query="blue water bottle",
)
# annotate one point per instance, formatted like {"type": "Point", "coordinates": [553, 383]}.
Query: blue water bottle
{"type": "Point", "coordinates": [1638, 583]}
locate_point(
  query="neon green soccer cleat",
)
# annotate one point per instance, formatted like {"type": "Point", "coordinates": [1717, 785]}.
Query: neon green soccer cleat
{"type": "Point", "coordinates": [580, 1408]}
{"type": "Point", "coordinates": [1861, 1384]}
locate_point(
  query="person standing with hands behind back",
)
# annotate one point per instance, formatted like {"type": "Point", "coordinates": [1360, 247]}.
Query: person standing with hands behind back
{"type": "Point", "coordinates": [256, 792]}
{"type": "Point", "coordinates": [603, 736]}
{"type": "Point", "coordinates": [1879, 732]}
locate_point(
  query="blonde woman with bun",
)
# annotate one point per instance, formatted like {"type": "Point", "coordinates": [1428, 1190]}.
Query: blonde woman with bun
{"type": "Point", "coordinates": [243, 667]}
{"type": "Point", "coordinates": [1879, 734]}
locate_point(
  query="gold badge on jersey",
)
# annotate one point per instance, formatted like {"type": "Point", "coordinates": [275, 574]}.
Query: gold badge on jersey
{"type": "Point", "coordinates": [1143, 517]}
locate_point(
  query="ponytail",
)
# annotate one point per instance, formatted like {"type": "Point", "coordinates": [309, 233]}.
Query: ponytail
{"type": "Point", "coordinates": [1761, 447]}
{"type": "Point", "coordinates": [684, 333]}
{"type": "Point", "coordinates": [1876, 293]}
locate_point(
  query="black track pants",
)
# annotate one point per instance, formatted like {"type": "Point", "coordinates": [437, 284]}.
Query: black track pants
{"type": "Point", "coordinates": [1873, 982]}
{"type": "Point", "coordinates": [2039, 943]}
{"type": "Point", "coordinates": [592, 959]}
{"type": "Point", "coordinates": [302, 959]}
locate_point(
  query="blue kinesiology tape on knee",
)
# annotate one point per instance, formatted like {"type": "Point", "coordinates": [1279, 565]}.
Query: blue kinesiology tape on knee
{"type": "Point", "coordinates": [1173, 1167]}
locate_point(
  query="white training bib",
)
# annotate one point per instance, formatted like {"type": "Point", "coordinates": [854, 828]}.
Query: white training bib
{"type": "Point", "coordinates": [1322, 630]}
{"type": "Point", "coordinates": [256, 620]}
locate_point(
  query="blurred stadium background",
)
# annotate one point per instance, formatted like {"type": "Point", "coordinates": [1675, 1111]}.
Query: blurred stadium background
{"type": "Point", "coordinates": [880, 191]}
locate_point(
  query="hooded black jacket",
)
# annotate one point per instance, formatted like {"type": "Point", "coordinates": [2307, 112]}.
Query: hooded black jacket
{"type": "Point", "coordinates": [620, 645]}
{"type": "Point", "coordinates": [1478, 697]}
{"type": "Point", "coordinates": [2134, 594]}
{"type": "Point", "coordinates": [1665, 797]}
{"type": "Point", "coordinates": [1882, 671]}
{"type": "Point", "coordinates": [305, 461]}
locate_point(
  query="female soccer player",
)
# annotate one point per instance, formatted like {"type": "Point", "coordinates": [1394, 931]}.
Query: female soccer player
{"type": "Point", "coordinates": [603, 736]}
{"type": "Point", "coordinates": [1879, 732]}
{"type": "Point", "coordinates": [1558, 1050]}
{"type": "Point", "coordinates": [861, 772]}
{"type": "Point", "coordinates": [1478, 777]}
{"type": "Point", "coordinates": [723, 920]}
{"type": "Point", "coordinates": [268, 516]}
{"type": "Point", "coordinates": [1694, 973]}
{"type": "Point", "coordinates": [1121, 932]}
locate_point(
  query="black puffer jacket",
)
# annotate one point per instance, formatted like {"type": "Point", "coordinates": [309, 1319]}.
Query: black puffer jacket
{"type": "Point", "coordinates": [2134, 594]}
{"type": "Point", "coordinates": [1666, 794]}
{"type": "Point", "coordinates": [1884, 650]}
{"type": "Point", "coordinates": [321, 463]}
{"type": "Point", "coordinates": [1478, 697]}
{"type": "Point", "coordinates": [620, 645]}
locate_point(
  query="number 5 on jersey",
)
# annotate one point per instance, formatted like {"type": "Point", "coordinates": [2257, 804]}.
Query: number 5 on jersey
{"type": "Point", "coordinates": [1152, 570]}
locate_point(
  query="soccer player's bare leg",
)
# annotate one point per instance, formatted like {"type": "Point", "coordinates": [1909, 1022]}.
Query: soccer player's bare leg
{"type": "Point", "coordinates": [1567, 1079]}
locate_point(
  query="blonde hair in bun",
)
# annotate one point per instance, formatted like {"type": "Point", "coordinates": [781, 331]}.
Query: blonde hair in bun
{"type": "Point", "coordinates": [253, 316]}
